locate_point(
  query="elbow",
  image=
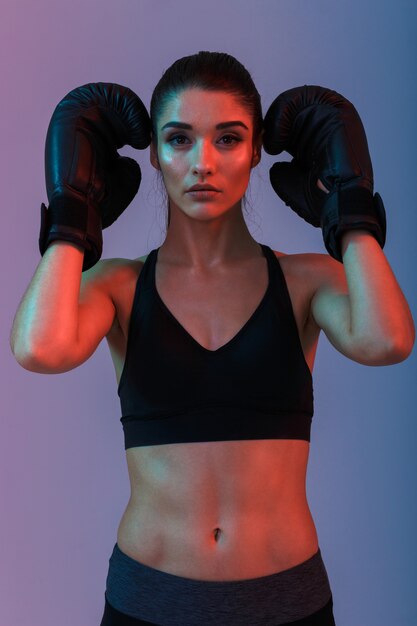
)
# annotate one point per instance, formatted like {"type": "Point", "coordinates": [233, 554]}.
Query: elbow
{"type": "Point", "coordinates": [39, 363]}
{"type": "Point", "coordinates": [387, 353]}
{"type": "Point", "coordinates": [369, 351]}
{"type": "Point", "coordinates": [401, 349]}
{"type": "Point", "coordinates": [402, 343]}
{"type": "Point", "coordinates": [21, 356]}
{"type": "Point", "coordinates": [387, 346]}
{"type": "Point", "coordinates": [395, 355]}
{"type": "Point", "coordinates": [27, 361]}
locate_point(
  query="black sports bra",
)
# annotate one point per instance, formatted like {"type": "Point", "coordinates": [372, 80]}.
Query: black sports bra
{"type": "Point", "coordinates": [256, 386]}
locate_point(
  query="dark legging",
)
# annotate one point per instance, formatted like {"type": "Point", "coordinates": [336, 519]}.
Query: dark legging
{"type": "Point", "coordinates": [139, 594]}
{"type": "Point", "coordinates": [112, 617]}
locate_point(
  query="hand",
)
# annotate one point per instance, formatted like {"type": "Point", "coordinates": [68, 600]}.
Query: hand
{"type": "Point", "coordinates": [88, 183]}
{"type": "Point", "coordinates": [323, 132]}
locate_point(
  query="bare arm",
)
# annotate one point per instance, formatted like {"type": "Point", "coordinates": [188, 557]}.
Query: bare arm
{"type": "Point", "coordinates": [379, 311]}
{"type": "Point", "coordinates": [63, 314]}
{"type": "Point", "coordinates": [360, 305]}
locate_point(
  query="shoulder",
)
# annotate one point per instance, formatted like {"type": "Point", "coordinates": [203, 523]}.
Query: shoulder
{"type": "Point", "coordinates": [112, 280]}
{"type": "Point", "coordinates": [311, 265]}
{"type": "Point", "coordinates": [107, 272]}
{"type": "Point", "coordinates": [310, 275]}
{"type": "Point", "coordinates": [114, 277]}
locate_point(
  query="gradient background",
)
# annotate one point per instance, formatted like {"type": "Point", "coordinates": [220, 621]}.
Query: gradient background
{"type": "Point", "coordinates": [64, 482]}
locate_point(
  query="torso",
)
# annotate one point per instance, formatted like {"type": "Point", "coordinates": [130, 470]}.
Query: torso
{"type": "Point", "coordinates": [196, 509]}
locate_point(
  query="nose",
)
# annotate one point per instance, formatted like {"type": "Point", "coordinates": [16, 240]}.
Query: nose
{"type": "Point", "coordinates": [203, 158]}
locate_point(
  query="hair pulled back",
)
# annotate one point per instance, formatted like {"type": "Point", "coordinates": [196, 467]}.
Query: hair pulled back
{"type": "Point", "coordinates": [212, 71]}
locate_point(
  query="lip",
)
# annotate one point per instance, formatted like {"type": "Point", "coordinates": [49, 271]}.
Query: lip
{"type": "Point", "coordinates": [202, 188]}
{"type": "Point", "coordinates": [203, 194]}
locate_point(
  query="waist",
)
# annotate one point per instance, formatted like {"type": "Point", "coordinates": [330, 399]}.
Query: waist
{"type": "Point", "coordinates": [143, 592]}
{"type": "Point", "coordinates": [300, 593]}
{"type": "Point", "coordinates": [218, 548]}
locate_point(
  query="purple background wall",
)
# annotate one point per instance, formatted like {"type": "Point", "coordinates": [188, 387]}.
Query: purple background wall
{"type": "Point", "coordinates": [64, 482]}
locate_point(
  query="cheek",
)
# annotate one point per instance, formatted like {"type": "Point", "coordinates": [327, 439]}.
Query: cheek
{"type": "Point", "coordinates": [240, 165]}
{"type": "Point", "coordinates": [166, 157]}
{"type": "Point", "coordinates": [171, 166]}
{"type": "Point", "coordinates": [242, 159]}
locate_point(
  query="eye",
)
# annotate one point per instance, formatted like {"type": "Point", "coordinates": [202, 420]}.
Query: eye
{"type": "Point", "coordinates": [233, 137]}
{"type": "Point", "coordinates": [173, 140]}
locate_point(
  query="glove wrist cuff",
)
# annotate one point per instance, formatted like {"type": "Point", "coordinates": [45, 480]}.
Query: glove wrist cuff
{"type": "Point", "coordinates": [69, 219]}
{"type": "Point", "coordinates": [352, 208]}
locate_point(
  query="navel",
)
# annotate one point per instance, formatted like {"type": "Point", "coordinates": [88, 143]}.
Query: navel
{"type": "Point", "coordinates": [217, 533]}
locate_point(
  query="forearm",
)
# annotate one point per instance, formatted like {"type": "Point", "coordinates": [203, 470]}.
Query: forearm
{"type": "Point", "coordinates": [379, 313]}
{"type": "Point", "coordinates": [47, 317]}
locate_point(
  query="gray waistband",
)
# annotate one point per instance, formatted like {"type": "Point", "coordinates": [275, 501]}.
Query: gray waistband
{"type": "Point", "coordinates": [156, 596]}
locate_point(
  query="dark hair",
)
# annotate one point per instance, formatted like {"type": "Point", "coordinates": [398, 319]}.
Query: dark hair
{"type": "Point", "coordinates": [213, 71]}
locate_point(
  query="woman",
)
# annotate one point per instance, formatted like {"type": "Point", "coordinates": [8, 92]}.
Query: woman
{"type": "Point", "coordinates": [213, 338]}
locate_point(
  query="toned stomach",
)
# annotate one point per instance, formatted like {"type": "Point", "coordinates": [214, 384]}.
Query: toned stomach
{"type": "Point", "coordinates": [223, 510]}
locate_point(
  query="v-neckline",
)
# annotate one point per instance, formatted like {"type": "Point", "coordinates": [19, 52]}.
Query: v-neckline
{"type": "Point", "coordinates": [239, 332]}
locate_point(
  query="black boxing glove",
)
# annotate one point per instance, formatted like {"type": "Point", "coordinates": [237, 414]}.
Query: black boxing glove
{"type": "Point", "coordinates": [323, 132]}
{"type": "Point", "coordinates": [89, 184]}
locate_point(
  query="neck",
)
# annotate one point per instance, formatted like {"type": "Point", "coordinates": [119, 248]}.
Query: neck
{"type": "Point", "coordinates": [207, 244]}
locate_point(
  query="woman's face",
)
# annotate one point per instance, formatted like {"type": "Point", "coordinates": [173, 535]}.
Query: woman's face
{"type": "Point", "coordinates": [196, 151]}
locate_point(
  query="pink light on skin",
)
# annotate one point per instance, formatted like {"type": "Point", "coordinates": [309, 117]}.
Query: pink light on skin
{"type": "Point", "coordinates": [321, 186]}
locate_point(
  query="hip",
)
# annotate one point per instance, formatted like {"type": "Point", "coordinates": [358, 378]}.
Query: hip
{"type": "Point", "coordinates": [138, 594]}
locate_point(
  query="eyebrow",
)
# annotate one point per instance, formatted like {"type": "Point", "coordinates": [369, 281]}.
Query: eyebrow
{"type": "Point", "coordinates": [218, 126]}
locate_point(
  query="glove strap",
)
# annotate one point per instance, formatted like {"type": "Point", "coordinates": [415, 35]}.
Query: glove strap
{"type": "Point", "coordinates": [351, 208]}
{"type": "Point", "coordinates": [68, 219]}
